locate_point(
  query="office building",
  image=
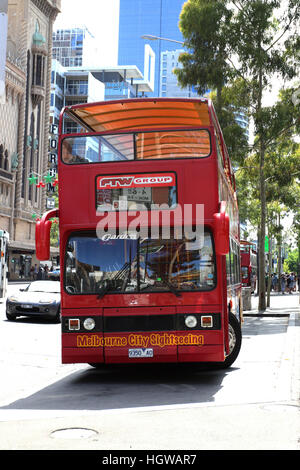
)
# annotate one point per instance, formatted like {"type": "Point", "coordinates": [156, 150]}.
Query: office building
{"type": "Point", "coordinates": [243, 121]}
{"type": "Point", "coordinates": [76, 76]}
{"type": "Point", "coordinates": [74, 47]}
{"type": "Point", "coordinates": [24, 129]}
{"type": "Point", "coordinates": [168, 81]}
{"type": "Point", "coordinates": [76, 85]}
{"type": "Point", "coordinates": [154, 17]}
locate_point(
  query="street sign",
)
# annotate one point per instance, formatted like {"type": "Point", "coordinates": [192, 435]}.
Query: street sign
{"type": "Point", "coordinates": [50, 203]}
{"type": "Point", "coordinates": [266, 244]}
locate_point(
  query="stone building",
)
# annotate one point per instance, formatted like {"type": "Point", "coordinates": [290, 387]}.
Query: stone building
{"type": "Point", "coordinates": [24, 125]}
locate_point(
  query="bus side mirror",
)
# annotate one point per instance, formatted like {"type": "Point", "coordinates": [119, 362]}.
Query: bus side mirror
{"type": "Point", "coordinates": [42, 235]}
{"type": "Point", "coordinates": [221, 230]}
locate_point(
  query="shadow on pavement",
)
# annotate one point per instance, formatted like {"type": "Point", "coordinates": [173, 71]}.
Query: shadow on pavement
{"type": "Point", "coordinates": [126, 387]}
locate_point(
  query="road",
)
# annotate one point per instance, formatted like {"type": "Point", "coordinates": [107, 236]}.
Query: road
{"type": "Point", "coordinates": [253, 405]}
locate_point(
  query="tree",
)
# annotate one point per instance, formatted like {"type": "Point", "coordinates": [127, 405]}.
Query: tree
{"type": "Point", "coordinates": [253, 41]}
{"type": "Point", "coordinates": [204, 27]}
{"type": "Point", "coordinates": [234, 102]}
{"type": "Point", "coordinates": [291, 262]}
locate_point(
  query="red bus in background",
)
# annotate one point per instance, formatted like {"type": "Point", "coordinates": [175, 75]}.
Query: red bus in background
{"type": "Point", "coordinates": [249, 265]}
{"type": "Point", "coordinates": [145, 276]}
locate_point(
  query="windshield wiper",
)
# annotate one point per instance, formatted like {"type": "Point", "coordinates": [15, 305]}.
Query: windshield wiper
{"type": "Point", "coordinates": [105, 288]}
{"type": "Point", "coordinates": [171, 287]}
{"type": "Point", "coordinates": [112, 283]}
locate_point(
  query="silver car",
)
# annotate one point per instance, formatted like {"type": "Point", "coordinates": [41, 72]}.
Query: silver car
{"type": "Point", "coordinates": [40, 298]}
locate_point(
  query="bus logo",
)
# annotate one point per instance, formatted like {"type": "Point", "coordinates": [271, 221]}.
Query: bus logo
{"type": "Point", "coordinates": [135, 181]}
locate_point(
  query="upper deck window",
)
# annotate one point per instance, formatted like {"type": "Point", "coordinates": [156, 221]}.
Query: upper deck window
{"type": "Point", "coordinates": [136, 146]}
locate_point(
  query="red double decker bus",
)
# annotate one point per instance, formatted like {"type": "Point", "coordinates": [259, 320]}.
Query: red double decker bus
{"type": "Point", "coordinates": [149, 234]}
{"type": "Point", "coordinates": [249, 265]}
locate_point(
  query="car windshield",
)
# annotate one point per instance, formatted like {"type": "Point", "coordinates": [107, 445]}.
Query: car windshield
{"type": "Point", "coordinates": [44, 286]}
{"type": "Point", "coordinates": [98, 266]}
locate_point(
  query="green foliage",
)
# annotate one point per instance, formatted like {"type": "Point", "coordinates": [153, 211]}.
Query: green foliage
{"type": "Point", "coordinates": [203, 24]}
{"type": "Point", "coordinates": [253, 41]}
{"type": "Point", "coordinates": [234, 101]}
{"type": "Point", "coordinates": [54, 232]}
{"type": "Point", "coordinates": [291, 262]}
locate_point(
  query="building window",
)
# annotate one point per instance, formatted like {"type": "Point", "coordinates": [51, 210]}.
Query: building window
{"type": "Point", "coordinates": [38, 69]}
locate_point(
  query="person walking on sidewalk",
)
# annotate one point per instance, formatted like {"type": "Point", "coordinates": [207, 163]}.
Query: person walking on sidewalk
{"type": "Point", "coordinates": [282, 283]}
{"type": "Point", "coordinates": [274, 282]}
{"type": "Point", "coordinates": [290, 282]}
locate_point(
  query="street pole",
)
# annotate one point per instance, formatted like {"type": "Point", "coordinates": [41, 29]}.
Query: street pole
{"type": "Point", "coordinates": [151, 37]}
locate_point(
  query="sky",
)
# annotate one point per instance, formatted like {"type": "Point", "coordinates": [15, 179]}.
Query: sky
{"type": "Point", "coordinates": [101, 17]}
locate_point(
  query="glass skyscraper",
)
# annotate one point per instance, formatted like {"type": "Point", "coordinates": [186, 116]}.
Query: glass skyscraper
{"type": "Point", "coordinates": [154, 17]}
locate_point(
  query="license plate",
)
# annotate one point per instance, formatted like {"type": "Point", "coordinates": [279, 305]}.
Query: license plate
{"type": "Point", "coordinates": [25, 305]}
{"type": "Point", "coordinates": [140, 352]}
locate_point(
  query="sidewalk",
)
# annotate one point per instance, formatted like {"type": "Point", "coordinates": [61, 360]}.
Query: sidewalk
{"type": "Point", "coordinates": [278, 302]}
{"type": "Point", "coordinates": [287, 305]}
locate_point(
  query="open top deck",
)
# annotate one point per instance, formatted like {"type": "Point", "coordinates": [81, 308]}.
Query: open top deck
{"type": "Point", "coordinates": [137, 114]}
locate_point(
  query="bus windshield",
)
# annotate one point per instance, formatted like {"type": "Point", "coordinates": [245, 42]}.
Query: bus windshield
{"type": "Point", "coordinates": [97, 266]}
{"type": "Point", "coordinates": [136, 146]}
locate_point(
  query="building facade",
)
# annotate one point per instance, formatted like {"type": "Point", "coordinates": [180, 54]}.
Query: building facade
{"type": "Point", "coordinates": [168, 80]}
{"type": "Point", "coordinates": [75, 85]}
{"type": "Point", "coordinates": [87, 81]}
{"type": "Point", "coordinates": [24, 129]}
{"type": "Point", "coordinates": [148, 17]}
{"type": "Point", "coordinates": [74, 47]}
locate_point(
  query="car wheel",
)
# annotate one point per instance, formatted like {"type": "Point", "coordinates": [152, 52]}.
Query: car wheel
{"type": "Point", "coordinates": [57, 317]}
{"type": "Point", "coordinates": [11, 316]}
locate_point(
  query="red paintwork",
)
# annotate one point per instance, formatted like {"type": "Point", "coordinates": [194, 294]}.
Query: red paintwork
{"type": "Point", "coordinates": [249, 260]}
{"type": "Point", "coordinates": [197, 182]}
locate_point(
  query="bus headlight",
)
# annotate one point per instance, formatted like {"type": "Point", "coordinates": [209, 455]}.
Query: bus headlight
{"type": "Point", "coordinates": [89, 323]}
{"type": "Point", "coordinates": [190, 321]}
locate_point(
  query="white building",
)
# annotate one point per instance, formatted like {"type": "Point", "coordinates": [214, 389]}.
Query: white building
{"type": "Point", "coordinates": [168, 85]}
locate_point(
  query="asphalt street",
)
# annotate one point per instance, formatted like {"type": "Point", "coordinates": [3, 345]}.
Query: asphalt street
{"type": "Point", "coordinates": [254, 405]}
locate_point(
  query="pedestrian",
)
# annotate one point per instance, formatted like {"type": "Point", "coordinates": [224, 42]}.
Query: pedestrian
{"type": "Point", "coordinates": [21, 273]}
{"type": "Point", "coordinates": [35, 272]}
{"type": "Point", "coordinates": [292, 283]}
{"type": "Point", "coordinates": [289, 283]}
{"type": "Point", "coordinates": [32, 273]}
{"type": "Point", "coordinates": [282, 283]}
{"type": "Point", "coordinates": [40, 273]}
{"type": "Point", "coordinates": [46, 271]}
{"type": "Point", "coordinates": [275, 282]}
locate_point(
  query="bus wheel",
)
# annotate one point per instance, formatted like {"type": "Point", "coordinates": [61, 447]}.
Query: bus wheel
{"type": "Point", "coordinates": [235, 341]}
